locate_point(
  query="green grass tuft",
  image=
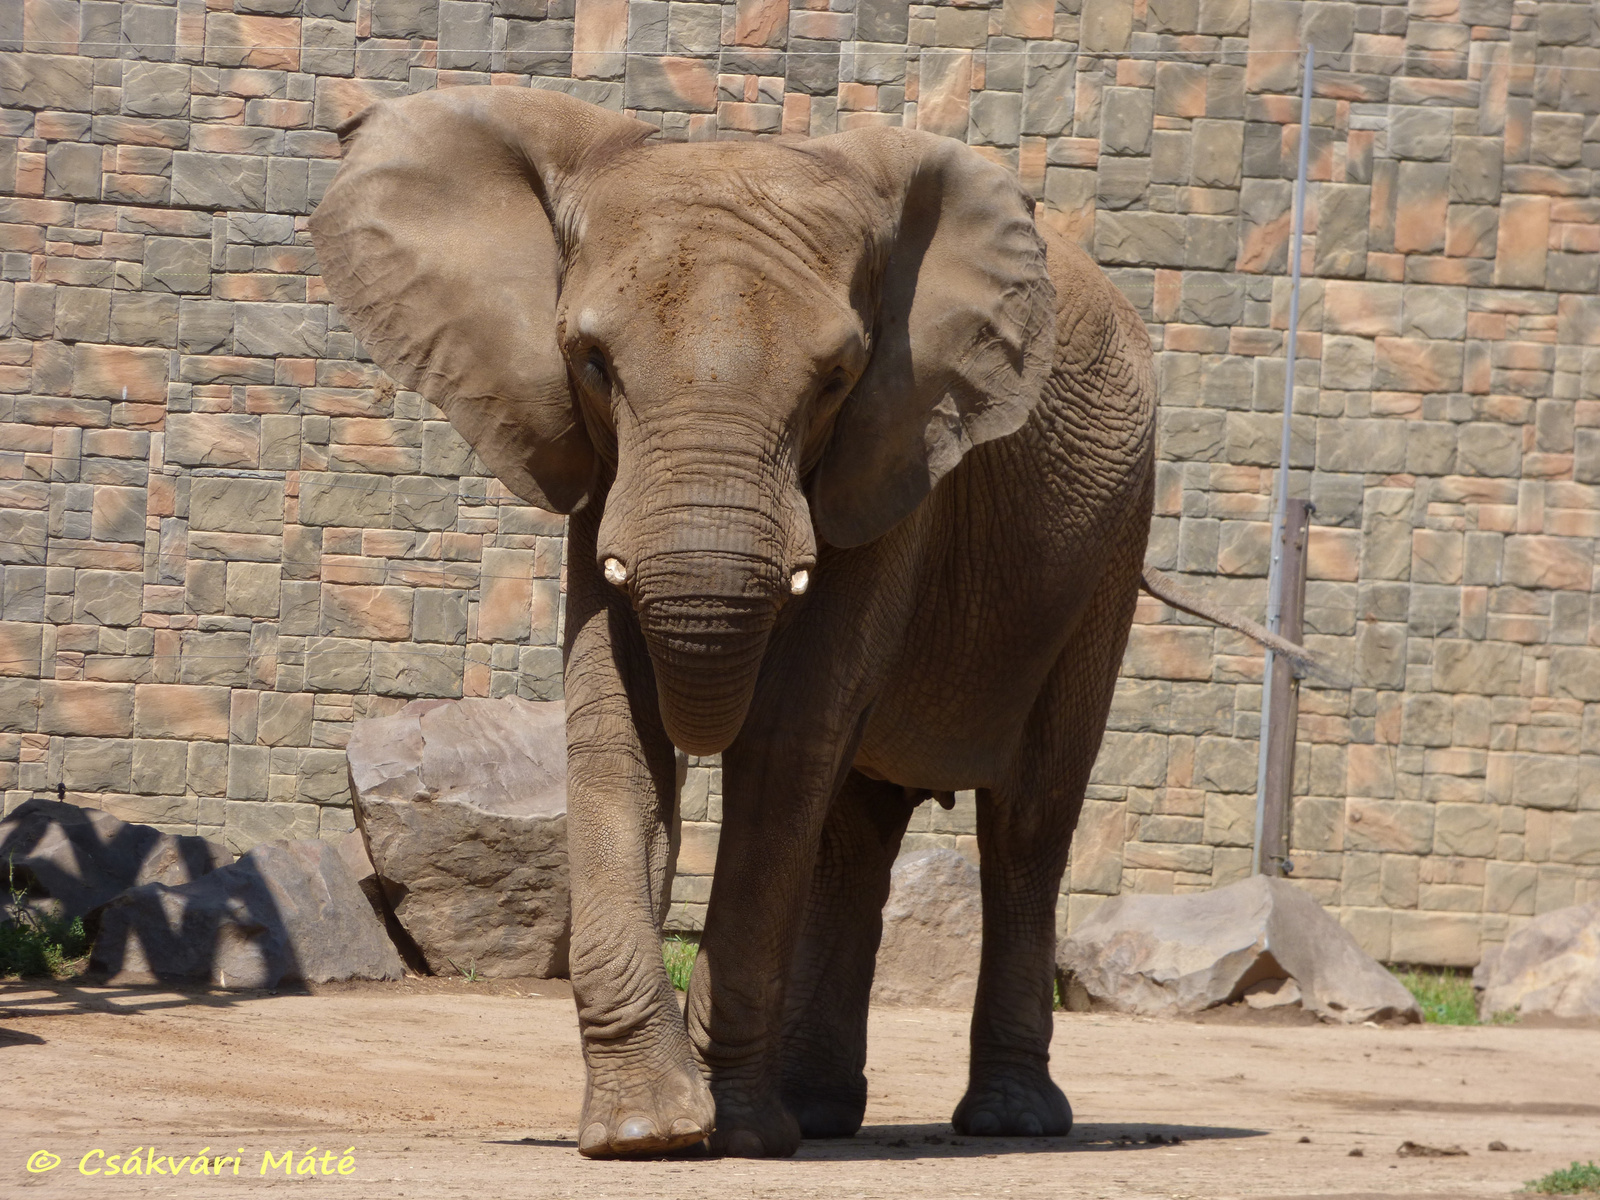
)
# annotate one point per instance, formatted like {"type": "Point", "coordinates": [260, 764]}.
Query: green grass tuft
{"type": "Point", "coordinates": [1577, 1180]}
{"type": "Point", "coordinates": [1446, 997]}
{"type": "Point", "coordinates": [678, 952]}
{"type": "Point", "coordinates": [34, 943]}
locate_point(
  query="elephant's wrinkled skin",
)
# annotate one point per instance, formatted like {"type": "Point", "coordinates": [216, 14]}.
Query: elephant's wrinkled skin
{"type": "Point", "coordinates": [734, 362]}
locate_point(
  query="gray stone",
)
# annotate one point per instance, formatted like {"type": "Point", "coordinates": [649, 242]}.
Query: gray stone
{"type": "Point", "coordinates": [268, 330]}
{"type": "Point", "coordinates": [405, 18]}
{"type": "Point", "coordinates": [144, 319]}
{"type": "Point", "coordinates": [155, 90]}
{"type": "Point", "coordinates": [1126, 119]}
{"type": "Point", "coordinates": [1170, 955]}
{"type": "Point", "coordinates": [463, 806]}
{"type": "Point", "coordinates": [1550, 967]}
{"type": "Point", "coordinates": [46, 81]}
{"type": "Point", "coordinates": [80, 858]}
{"type": "Point", "coordinates": [180, 265]}
{"type": "Point", "coordinates": [1420, 133]}
{"type": "Point", "coordinates": [932, 932]}
{"type": "Point", "coordinates": [72, 171]}
{"type": "Point", "coordinates": [219, 180]}
{"type": "Point", "coordinates": [286, 912]}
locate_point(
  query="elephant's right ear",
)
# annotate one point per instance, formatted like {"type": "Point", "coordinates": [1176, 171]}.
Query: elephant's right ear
{"type": "Point", "coordinates": [435, 243]}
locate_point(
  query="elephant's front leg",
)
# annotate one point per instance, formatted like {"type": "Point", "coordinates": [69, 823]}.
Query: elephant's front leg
{"type": "Point", "coordinates": [644, 1094]}
{"type": "Point", "coordinates": [776, 789]}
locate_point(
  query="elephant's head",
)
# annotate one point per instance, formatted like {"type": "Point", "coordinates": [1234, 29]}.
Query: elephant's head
{"type": "Point", "coordinates": [740, 348]}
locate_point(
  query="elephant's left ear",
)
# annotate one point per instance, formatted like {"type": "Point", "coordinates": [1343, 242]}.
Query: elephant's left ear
{"type": "Point", "coordinates": [964, 336]}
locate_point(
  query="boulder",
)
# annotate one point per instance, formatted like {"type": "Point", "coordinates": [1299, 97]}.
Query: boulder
{"type": "Point", "coordinates": [1551, 966]}
{"type": "Point", "coordinates": [463, 805]}
{"type": "Point", "coordinates": [1261, 940]}
{"type": "Point", "coordinates": [81, 857]}
{"type": "Point", "coordinates": [287, 912]}
{"type": "Point", "coordinates": [932, 932]}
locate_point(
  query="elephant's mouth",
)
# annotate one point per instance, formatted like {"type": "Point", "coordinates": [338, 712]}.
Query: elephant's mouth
{"type": "Point", "coordinates": [707, 654]}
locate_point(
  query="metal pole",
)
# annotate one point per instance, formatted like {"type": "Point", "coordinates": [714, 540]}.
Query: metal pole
{"type": "Point", "coordinates": [1275, 577]}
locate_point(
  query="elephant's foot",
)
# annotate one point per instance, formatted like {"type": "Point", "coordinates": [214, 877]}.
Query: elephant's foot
{"type": "Point", "coordinates": [824, 1112]}
{"type": "Point", "coordinates": [642, 1115]}
{"type": "Point", "coordinates": [761, 1128]}
{"type": "Point", "coordinates": [1013, 1101]}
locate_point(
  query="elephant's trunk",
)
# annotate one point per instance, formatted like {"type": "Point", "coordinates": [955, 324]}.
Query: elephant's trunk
{"type": "Point", "coordinates": [710, 544]}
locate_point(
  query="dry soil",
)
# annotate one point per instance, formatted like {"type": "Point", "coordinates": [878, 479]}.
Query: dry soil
{"type": "Point", "coordinates": [450, 1089]}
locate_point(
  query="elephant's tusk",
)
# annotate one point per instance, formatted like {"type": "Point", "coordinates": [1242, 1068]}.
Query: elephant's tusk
{"type": "Point", "coordinates": [616, 573]}
{"type": "Point", "coordinates": [799, 582]}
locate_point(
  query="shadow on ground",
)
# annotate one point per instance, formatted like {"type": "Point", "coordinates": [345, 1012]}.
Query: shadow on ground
{"type": "Point", "coordinates": [938, 1141]}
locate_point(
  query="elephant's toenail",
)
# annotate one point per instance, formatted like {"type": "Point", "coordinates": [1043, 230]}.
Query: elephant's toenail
{"type": "Point", "coordinates": [983, 1124]}
{"type": "Point", "coordinates": [636, 1129]}
{"type": "Point", "coordinates": [593, 1140]}
{"type": "Point", "coordinates": [683, 1126]}
{"type": "Point", "coordinates": [1030, 1125]}
{"type": "Point", "coordinates": [745, 1144]}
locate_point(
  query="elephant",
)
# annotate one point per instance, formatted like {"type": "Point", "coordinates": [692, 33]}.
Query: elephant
{"type": "Point", "coordinates": [859, 464]}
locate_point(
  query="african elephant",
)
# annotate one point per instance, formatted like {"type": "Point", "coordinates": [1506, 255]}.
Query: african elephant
{"type": "Point", "coordinates": [859, 468]}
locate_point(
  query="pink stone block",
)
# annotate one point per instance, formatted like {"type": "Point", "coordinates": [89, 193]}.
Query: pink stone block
{"type": "Point", "coordinates": [1523, 243]}
{"type": "Point", "coordinates": [599, 35]}
{"type": "Point", "coordinates": [761, 23]}
{"type": "Point", "coordinates": [944, 92]}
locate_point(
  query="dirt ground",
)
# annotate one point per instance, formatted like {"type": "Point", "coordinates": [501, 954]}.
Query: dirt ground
{"type": "Point", "coordinates": [448, 1089]}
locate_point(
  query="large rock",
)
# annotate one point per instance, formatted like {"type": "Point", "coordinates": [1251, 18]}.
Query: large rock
{"type": "Point", "coordinates": [1550, 967]}
{"type": "Point", "coordinates": [81, 857]}
{"type": "Point", "coordinates": [1262, 940]}
{"type": "Point", "coordinates": [287, 912]}
{"type": "Point", "coordinates": [932, 932]}
{"type": "Point", "coordinates": [463, 804]}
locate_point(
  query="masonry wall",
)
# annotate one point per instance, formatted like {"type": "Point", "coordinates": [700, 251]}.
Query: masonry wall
{"type": "Point", "coordinates": [225, 535]}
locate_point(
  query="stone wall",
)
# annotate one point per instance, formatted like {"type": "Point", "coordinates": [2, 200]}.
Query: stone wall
{"type": "Point", "coordinates": [224, 535]}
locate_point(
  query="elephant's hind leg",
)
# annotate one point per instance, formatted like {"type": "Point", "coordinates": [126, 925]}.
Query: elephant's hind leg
{"type": "Point", "coordinates": [824, 1048]}
{"type": "Point", "coordinates": [1024, 830]}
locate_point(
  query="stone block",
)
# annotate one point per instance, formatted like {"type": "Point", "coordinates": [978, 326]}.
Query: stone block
{"type": "Point", "coordinates": [1575, 673]}
{"type": "Point", "coordinates": [1542, 561]}
{"type": "Point", "coordinates": [1106, 25]}
{"type": "Point", "coordinates": [1389, 826]}
{"type": "Point", "coordinates": [284, 719]}
{"type": "Point", "coordinates": [1126, 118]}
{"type": "Point", "coordinates": [1139, 239]}
{"type": "Point", "coordinates": [252, 589]}
{"type": "Point", "coordinates": [225, 181]}
{"type": "Point", "coordinates": [1437, 939]}
{"type": "Point", "coordinates": [182, 711]}
{"type": "Point", "coordinates": [1131, 760]}
{"type": "Point", "coordinates": [1545, 781]}
{"type": "Point", "coordinates": [151, 89]}
{"type": "Point", "coordinates": [118, 515]}
{"type": "Point", "coordinates": [224, 504]}
{"type": "Point", "coordinates": [673, 84]}
{"type": "Point", "coordinates": [1225, 765]}
{"type": "Point", "coordinates": [1096, 864]}
{"type": "Point", "coordinates": [119, 373]}
{"type": "Point", "coordinates": [270, 330]}
{"type": "Point", "coordinates": [1523, 243]}
{"type": "Point", "coordinates": [347, 500]}
{"type": "Point", "coordinates": [366, 611]}
{"type": "Point", "coordinates": [178, 265]}
{"type": "Point", "coordinates": [108, 598]}
{"type": "Point", "coordinates": [96, 710]}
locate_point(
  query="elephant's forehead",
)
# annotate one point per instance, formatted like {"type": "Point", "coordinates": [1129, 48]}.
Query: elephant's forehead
{"type": "Point", "coordinates": [751, 199]}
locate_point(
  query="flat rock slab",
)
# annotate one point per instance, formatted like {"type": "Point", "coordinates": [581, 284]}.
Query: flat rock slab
{"type": "Point", "coordinates": [932, 932]}
{"type": "Point", "coordinates": [1549, 967]}
{"type": "Point", "coordinates": [287, 912]}
{"type": "Point", "coordinates": [463, 804]}
{"type": "Point", "coordinates": [1261, 940]}
{"type": "Point", "coordinates": [81, 857]}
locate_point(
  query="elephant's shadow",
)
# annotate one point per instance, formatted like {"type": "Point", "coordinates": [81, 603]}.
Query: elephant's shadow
{"type": "Point", "coordinates": [937, 1141]}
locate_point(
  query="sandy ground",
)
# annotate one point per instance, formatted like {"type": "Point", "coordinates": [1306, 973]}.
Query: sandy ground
{"type": "Point", "coordinates": [448, 1089]}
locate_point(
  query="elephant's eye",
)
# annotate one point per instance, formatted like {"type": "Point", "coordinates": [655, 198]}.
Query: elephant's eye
{"type": "Point", "coordinates": [837, 383]}
{"type": "Point", "coordinates": [594, 365]}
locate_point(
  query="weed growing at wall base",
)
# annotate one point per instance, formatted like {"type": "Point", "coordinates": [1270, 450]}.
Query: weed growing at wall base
{"type": "Point", "coordinates": [1580, 1179]}
{"type": "Point", "coordinates": [1446, 998]}
{"type": "Point", "coordinates": [34, 942]}
{"type": "Point", "coordinates": [679, 952]}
